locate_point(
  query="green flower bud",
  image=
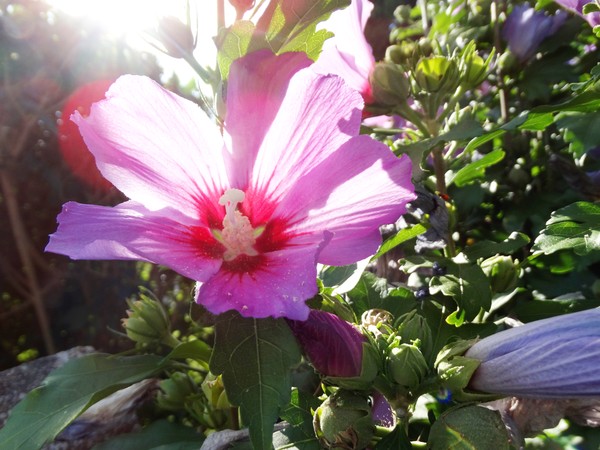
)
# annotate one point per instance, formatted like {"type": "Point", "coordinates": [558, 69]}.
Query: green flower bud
{"type": "Point", "coordinates": [174, 391]}
{"type": "Point", "coordinates": [437, 74]}
{"type": "Point", "coordinates": [412, 327]}
{"type": "Point", "coordinates": [214, 389]}
{"type": "Point", "coordinates": [148, 323]}
{"type": "Point", "coordinates": [344, 420]}
{"type": "Point", "coordinates": [406, 365]}
{"type": "Point", "coordinates": [400, 53]}
{"type": "Point", "coordinates": [175, 36]}
{"type": "Point", "coordinates": [390, 84]}
{"type": "Point", "coordinates": [473, 68]}
{"type": "Point", "coordinates": [502, 272]}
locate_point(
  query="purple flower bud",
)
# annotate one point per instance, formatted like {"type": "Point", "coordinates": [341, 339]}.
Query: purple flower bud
{"type": "Point", "coordinates": [333, 346]}
{"type": "Point", "coordinates": [577, 7]}
{"type": "Point", "coordinates": [525, 29]}
{"type": "Point", "coordinates": [550, 358]}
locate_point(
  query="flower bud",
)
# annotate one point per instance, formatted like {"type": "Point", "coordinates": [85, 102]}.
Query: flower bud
{"type": "Point", "coordinates": [406, 365]}
{"type": "Point", "coordinates": [412, 327]}
{"type": "Point", "coordinates": [400, 53]}
{"type": "Point", "coordinates": [175, 36]}
{"type": "Point", "coordinates": [389, 84]}
{"type": "Point", "coordinates": [550, 358]}
{"type": "Point", "coordinates": [148, 323]}
{"type": "Point", "coordinates": [214, 389]}
{"type": "Point", "coordinates": [241, 6]}
{"type": "Point", "coordinates": [174, 392]}
{"type": "Point", "coordinates": [437, 74]}
{"type": "Point", "coordinates": [344, 420]}
{"type": "Point", "coordinates": [473, 68]}
{"type": "Point", "coordinates": [502, 272]}
{"type": "Point", "coordinates": [336, 349]}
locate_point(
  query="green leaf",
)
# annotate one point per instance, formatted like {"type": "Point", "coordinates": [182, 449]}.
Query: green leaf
{"type": "Point", "coordinates": [575, 227]}
{"type": "Point", "coordinates": [161, 434]}
{"type": "Point", "coordinates": [476, 169]}
{"type": "Point", "coordinates": [289, 25]}
{"type": "Point", "coordinates": [582, 130]}
{"type": "Point", "coordinates": [233, 43]}
{"type": "Point", "coordinates": [467, 128]}
{"type": "Point", "coordinates": [372, 292]}
{"type": "Point", "coordinates": [300, 435]}
{"type": "Point", "coordinates": [399, 238]}
{"type": "Point", "coordinates": [67, 392]}
{"type": "Point", "coordinates": [285, 26]}
{"type": "Point", "coordinates": [542, 116]}
{"type": "Point", "coordinates": [467, 284]}
{"type": "Point", "coordinates": [396, 440]}
{"type": "Point", "coordinates": [454, 430]}
{"type": "Point", "coordinates": [255, 357]}
{"type": "Point", "coordinates": [197, 350]}
{"type": "Point", "coordinates": [341, 279]}
{"type": "Point", "coordinates": [485, 249]}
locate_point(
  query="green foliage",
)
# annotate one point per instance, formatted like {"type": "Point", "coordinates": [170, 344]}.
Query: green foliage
{"type": "Point", "coordinates": [454, 429]}
{"type": "Point", "coordinates": [575, 227]}
{"type": "Point", "coordinates": [159, 435]}
{"type": "Point", "coordinates": [255, 357]}
{"type": "Point", "coordinates": [45, 411]}
{"type": "Point", "coordinates": [285, 26]}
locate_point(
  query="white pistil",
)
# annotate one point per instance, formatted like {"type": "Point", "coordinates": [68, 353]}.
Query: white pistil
{"type": "Point", "coordinates": [237, 235]}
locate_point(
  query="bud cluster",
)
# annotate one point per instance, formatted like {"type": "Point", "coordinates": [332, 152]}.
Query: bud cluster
{"type": "Point", "coordinates": [417, 73]}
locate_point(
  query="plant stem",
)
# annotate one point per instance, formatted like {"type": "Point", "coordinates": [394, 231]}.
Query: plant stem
{"type": "Point", "coordinates": [21, 240]}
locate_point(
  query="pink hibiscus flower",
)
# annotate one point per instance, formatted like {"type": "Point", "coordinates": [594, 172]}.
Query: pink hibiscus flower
{"type": "Point", "coordinates": [247, 213]}
{"type": "Point", "coordinates": [347, 53]}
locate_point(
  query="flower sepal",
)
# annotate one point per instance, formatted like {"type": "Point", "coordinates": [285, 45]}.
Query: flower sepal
{"type": "Point", "coordinates": [344, 420]}
{"type": "Point", "coordinates": [455, 371]}
{"type": "Point", "coordinates": [369, 370]}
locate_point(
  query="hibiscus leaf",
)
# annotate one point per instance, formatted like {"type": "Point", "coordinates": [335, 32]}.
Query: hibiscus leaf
{"type": "Point", "coordinates": [467, 284]}
{"type": "Point", "coordinates": [300, 434]}
{"type": "Point", "coordinates": [485, 249]}
{"type": "Point", "coordinates": [255, 357]}
{"type": "Point", "coordinates": [161, 434]}
{"type": "Point", "coordinates": [284, 26]}
{"type": "Point", "coordinates": [476, 169]}
{"type": "Point", "coordinates": [67, 392]}
{"type": "Point", "coordinates": [574, 227]}
{"type": "Point", "coordinates": [289, 24]}
{"type": "Point", "coordinates": [233, 43]}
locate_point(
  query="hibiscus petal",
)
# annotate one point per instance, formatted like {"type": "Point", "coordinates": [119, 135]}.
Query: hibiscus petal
{"type": "Point", "coordinates": [157, 148]}
{"type": "Point", "coordinates": [278, 288]}
{"type": "Point", "coordinates": [361, 187]}
{"type": "Point", "coordinates": [253, 102]}
{"type": "Point", "coordinates": [130, 232]}
{"type": "Point", "coordinates": [317, 116]}
{"type": "Point", "coordinates": [347, 53]}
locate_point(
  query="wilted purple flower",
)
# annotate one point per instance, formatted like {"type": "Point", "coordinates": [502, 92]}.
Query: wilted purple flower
{"type": "Point", "coordinates": [550, 358]}
{"type": "Point", "coordinates": [333, 346]}
{"type": "Point", "coordinates": [577, 7]}
{"type": "Point", "coordinates": [525, 29]}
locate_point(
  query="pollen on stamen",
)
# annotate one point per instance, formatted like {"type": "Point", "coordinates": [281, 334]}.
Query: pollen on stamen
{"type": "Point", "coordinates": [237, 234]}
